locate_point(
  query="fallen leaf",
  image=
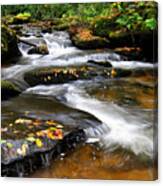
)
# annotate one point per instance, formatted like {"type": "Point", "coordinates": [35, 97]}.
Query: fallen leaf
{"type": "Point", "coordinates": [31, 139]}
{"type": "Point", "coordinates": [39, 143]}
{"type": "Point", "coordinates": [23, 121]}
{"type": "Point", "coordinates": [9, 145]}
{"type": "Point", "coordinates": [51, 122]}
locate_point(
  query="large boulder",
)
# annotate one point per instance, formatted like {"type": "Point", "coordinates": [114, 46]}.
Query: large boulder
{"type": "Point", "coordinates": [9, 47]}
{"type": "Point", "coordinates": [145, 41]}
{"type": "Point", "coordinates": [83, 38]}
{"type": "Point", "coordinates": [8, 89]}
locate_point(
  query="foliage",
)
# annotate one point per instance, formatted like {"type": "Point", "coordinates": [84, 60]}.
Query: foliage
{"type": "Point", "coordinates": [129, 15]}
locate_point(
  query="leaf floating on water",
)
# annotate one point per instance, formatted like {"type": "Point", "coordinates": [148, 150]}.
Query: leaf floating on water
{"type": "Point", "coordinates": [39, 143]}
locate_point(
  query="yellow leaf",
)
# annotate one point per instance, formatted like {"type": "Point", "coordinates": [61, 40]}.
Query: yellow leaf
{"type": "Point", "coordinates": [39, 143]}
{"type": "Point", "coordinates": [51, 122]}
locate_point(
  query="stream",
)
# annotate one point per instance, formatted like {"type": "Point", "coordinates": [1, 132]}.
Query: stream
{"type": "Point", "coordinates": [117, 115]}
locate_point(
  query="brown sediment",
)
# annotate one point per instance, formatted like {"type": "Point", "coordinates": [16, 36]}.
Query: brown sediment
{"type": "Point", "coordinates": [88, 162]}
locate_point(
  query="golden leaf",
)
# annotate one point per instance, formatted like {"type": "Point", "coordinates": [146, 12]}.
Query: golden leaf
{"type": "Point", "coordinates": [39, 143]}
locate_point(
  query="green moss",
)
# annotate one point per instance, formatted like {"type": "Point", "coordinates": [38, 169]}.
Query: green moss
{"type": "Point", "coordinates": [9, 47]}
{"type": "Point", "coordinates": [8, 89]}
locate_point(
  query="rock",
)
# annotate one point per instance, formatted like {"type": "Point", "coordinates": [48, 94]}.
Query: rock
{"type": "Point", "coordinates": [55, 75]}
{"type": "Point", "coordinates": [130, 53]}
{"type": "Point", "coordinates": [14, 153]}
{"type": "Point", "coordinates": [100, 63]}
{"type": "Point", "coordinates": [146, 41]}
{"type": "Point", "coordinates": [83, 38]}
{"type": "Point", "coordinates": [41, 49]}
{"type": "Point", "coordinates": [9, 47]}
{"type": "Point", "coordinates": [8, 89]}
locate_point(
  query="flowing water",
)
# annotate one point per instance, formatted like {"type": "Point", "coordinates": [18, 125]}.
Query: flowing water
{"type": "Point", "coordinates": [122, 146]}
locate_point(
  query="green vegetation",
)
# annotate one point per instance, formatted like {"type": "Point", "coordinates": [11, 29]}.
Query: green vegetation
{"type": "Point", "coordinates": [131, 15]}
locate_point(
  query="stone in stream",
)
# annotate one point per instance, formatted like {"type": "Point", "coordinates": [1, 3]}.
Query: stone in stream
{"type": "Point", "coordinates": [36, 129]}
{"type": "Point", "coordinates": [39, 46]}
{"type": "Point", "coordinates": [83, 38]}
{"type": "Point", "coordinates": [57, 75]}
{"type": "Point", "coordinates": [9, 47]}
{"type": "Point", "coordinates": [8, 89]}
{"type": "Point", "coordinates": [41, 49]}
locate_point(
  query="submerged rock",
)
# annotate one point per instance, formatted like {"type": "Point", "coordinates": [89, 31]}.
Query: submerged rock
{"type": "Point", "coordinates": [8, 89]}
{"type": "Point", "coordinates": [55, 75]}
{"type": "Point", "coordinates": [9, 47]}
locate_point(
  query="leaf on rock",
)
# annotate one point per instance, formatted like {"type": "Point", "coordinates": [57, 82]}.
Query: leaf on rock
{"type": "Point", "coordinates": [51, 122]}
{"type": "Point", "coordinates": [39, 143]}
{"type": "Point", "coordinates": [23, 121]}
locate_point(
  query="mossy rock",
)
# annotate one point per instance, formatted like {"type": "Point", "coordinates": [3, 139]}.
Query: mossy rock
{"type": "Point", "coordinates": [57, 75]}
{"type": "Point", "coordinates": [8, 90]}
{"type": "Point", "coordinates": [146, 40]}
{"type": "Point", "coordinates": [9, 47]}
{"type": "Point", "coordinates": [84, 39]}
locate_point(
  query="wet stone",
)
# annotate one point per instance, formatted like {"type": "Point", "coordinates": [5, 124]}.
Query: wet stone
{"type": "Point", "coordinates": [57, 75]}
